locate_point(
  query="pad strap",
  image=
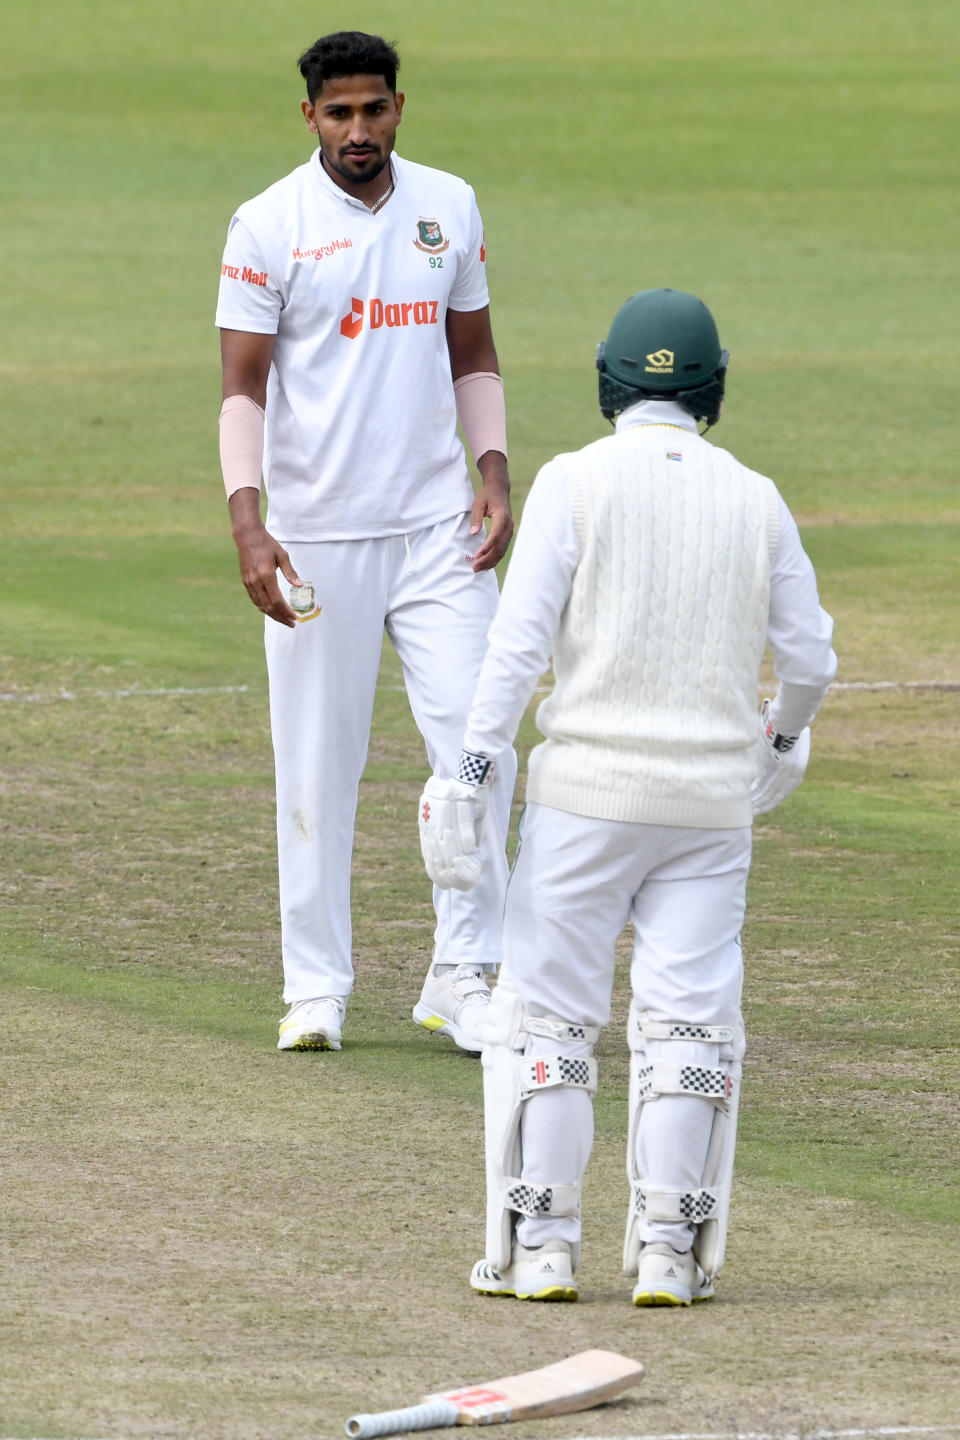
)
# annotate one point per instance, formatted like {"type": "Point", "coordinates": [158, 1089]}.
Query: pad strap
{"type": "Point", "coordinates": [639, 1027]}
{"type": "Point", "coordinates": [662, 1078]}
{"type": "Point", "coordinates": [547, 1071]}
{"type": "Point", "coordinates": [534, 1201]}
{"type": "Point", "coordinates": [560, 1029]}
{"type": "Point", "coordinates": [674, 1207]}
{"type": "Point", "coordinates": [681, 1030]}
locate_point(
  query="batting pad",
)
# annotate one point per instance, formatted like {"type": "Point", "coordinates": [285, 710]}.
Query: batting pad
{"type": "Point", "coordinates": [509, 1079]}
{"type": "Point", "coordinates": [706, 1208]}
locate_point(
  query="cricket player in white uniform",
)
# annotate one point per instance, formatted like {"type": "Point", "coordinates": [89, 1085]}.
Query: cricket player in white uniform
{"type": "Point", "coordinates": [355, 329]}
{"type": "Point", "coordinates": [654, 568]}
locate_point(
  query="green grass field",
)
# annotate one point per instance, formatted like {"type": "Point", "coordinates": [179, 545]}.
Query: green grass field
{"type": "Point", "coordinates": [205, 1239]}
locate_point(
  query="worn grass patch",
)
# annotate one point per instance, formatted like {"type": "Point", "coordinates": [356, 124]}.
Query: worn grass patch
{"type": "Point", "coordinates": [217, 1239]}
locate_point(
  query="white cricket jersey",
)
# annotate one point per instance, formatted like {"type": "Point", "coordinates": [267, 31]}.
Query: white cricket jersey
{"type": "Point", "coordinates": [361, 436]}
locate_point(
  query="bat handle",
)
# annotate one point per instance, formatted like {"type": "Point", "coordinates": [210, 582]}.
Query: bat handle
{"type": "Point", "coordinates": [431, 1415]}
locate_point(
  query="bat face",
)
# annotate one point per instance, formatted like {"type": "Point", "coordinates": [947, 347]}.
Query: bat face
{"type": "Point", "coordinates": [583, 1380]}
{"type": "Point", "coordinates": [479, 1395]}
{"type": "Point", "coordinates": [481, 1399]}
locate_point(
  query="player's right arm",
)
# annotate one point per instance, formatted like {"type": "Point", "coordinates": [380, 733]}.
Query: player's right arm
{"type": "Point", "coordinates": [249, 305]}
{"type": "Point", "coordinates": [535, 591]}
{"type": "Point", "coordinates": [246, 359]}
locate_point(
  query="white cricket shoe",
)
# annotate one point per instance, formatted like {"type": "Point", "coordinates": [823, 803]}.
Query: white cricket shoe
{"type": "Point", "coordinates": [454, 1002]}
{"type": "Point", "coordinates": [542, 1274]}
{"type": "Point", "coordinates": [313, 1024]}
{"type": "Point", "coordinates": [668, 1277]}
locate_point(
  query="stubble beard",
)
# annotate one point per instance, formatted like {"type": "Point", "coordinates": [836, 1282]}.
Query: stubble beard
{"type": "Point", "coordinates": [363, 177]}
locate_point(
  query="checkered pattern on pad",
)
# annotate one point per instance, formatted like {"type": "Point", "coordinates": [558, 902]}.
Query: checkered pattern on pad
{"type": "Point", "coordinates": [530, 1200]}
{"type": "Point", "coordinates": [711, 1084]}
{"type": "Point", "coordinates": [574, 1072]}
{"type": "Point", "coordinates": [675, 1206]}
{"type": "Point", "coordinates": [696, 1081]}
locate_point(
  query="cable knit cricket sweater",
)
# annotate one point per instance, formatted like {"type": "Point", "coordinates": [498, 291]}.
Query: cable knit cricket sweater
{"type": "Point", "coordinates": [654, 714]}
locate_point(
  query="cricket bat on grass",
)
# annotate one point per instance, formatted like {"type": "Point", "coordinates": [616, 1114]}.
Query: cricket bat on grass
{"type": "Point", "coordinates": [577, 1383]}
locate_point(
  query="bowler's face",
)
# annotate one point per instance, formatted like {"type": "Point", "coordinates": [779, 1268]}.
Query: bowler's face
{"type": "Point", "coordinates": [356, 119]}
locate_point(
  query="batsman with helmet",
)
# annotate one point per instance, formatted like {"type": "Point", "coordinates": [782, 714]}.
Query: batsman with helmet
{"type": "Point", "coordinates": [653, 568]}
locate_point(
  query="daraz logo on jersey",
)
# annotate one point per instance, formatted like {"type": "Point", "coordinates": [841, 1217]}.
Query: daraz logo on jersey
{"type": "Point", "coordinates": [250, 277]}
{"type": "Point", "coordinates": [394, 316]}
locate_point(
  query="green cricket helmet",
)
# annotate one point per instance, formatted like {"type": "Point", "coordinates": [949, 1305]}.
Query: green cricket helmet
{"type": "Point", "coordinates": [663, 345]}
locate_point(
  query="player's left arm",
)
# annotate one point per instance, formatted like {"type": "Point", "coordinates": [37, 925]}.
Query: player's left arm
{"type": "Point", "coordinates": [474, 364]}
{"type": "Point", "coordinates": [800, 633]}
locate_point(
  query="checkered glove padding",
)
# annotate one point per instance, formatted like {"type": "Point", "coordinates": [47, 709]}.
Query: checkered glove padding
{"type": "Point", "coordinates": [784, 764]}
{"type": "Point", "coordinates": [451, 829]}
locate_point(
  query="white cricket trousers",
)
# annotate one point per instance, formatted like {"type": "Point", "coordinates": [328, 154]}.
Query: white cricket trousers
{"type": "Point", "coordinates": [421, 589]}
{"type": "Point", "coordinates": [576, 883]}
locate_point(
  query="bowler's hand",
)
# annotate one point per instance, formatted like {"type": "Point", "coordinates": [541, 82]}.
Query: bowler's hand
{"type": "Point", "coordinates": [492, 502]}
{"type": "Point", "coordinates": [260, 558]}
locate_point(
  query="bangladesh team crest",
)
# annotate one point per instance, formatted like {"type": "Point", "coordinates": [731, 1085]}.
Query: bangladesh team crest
{"type": "Point", "coordinates": [430, 237]}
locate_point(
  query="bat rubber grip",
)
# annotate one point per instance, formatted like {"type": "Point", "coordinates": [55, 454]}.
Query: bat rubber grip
{"type": "Point", "coordinates": [431, 1415]}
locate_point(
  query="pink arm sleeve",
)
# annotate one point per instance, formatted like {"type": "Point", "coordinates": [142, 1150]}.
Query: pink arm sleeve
{"type": "Point", "coordinates": [241, 443]}
{"type": "Point", "coordinates": [482, 413]}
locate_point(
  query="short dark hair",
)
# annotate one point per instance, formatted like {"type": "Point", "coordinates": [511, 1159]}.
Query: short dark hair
{"type": "Point", "coordinates": [348, 52]}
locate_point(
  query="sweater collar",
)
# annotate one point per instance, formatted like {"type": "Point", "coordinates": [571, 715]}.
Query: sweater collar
{"type": "Point", "coordinates": [656, 412]}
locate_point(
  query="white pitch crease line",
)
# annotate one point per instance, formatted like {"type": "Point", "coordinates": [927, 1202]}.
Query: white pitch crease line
{"type": "Point", "coordinates": [13, 696]}
{"type": "Point", "coordinates": [133, 692]}
{"type": "Point", "coordinates": [881, 1432]}
{"type": "Point", "coordinates": [894, 685]}
{"type": "Point", "coordinates": [837, 685]}
{"type": "Point", "coordinates": [878, 1432]}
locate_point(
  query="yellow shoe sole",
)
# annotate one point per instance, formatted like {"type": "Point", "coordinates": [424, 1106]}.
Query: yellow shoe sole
{"type": "Point", "coordinates": [312, 1040]}
{"type": "Point", "coordinates": [551, 1292]}
{"type": "Point", "coordinates": [554, 1292]}
{"type": "Point", "coordinates": [664, 1297]}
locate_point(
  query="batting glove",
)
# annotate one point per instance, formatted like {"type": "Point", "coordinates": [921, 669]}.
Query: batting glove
{"type": "Point", "coordinates": [784, 765]}
{"type": "Point", "coordinates": [451, 819]}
